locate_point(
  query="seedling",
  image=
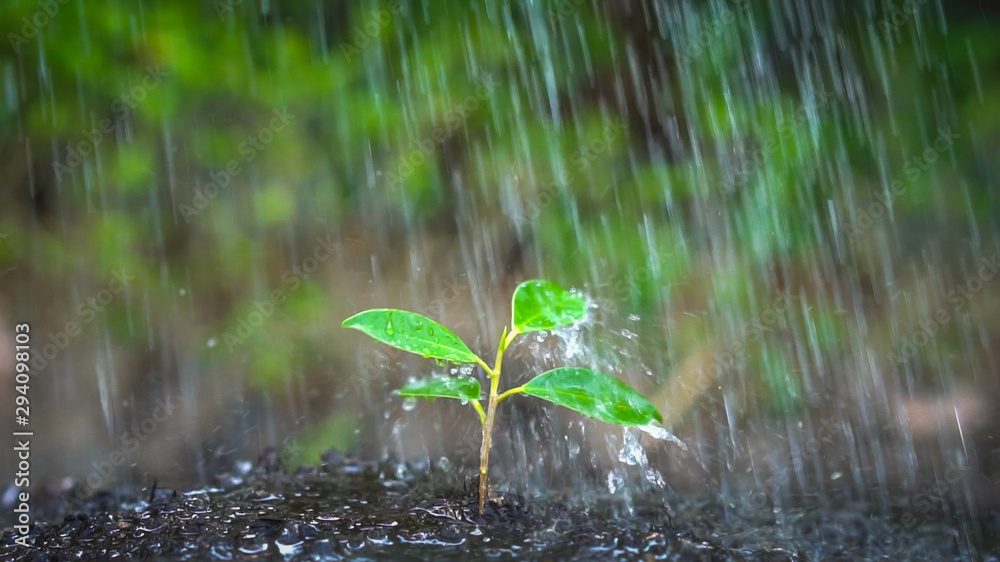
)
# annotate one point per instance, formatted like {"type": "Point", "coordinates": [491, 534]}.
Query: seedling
{"type": "Point", "coordinates": [537, 305]}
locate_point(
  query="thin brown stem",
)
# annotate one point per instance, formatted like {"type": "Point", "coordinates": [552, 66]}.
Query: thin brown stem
{"type": "Point", "coordinates": [484, 452]}
{"type": "Point", "coordinates": [491, 413]}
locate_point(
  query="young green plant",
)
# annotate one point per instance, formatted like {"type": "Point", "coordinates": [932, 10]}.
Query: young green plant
{"type": "Point", "coordinates": [537, 305]}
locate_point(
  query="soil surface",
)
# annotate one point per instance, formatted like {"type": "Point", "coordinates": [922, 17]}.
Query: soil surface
{"type": "Point", "coordinates": [350, 509]}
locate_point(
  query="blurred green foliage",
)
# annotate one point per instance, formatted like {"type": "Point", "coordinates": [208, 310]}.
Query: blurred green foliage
{"type": "Point", "coordinates": [366, 81]}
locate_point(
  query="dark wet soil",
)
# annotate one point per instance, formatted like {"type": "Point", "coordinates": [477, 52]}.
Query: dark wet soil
{"type": "Point", "coordinates": [349, 509]}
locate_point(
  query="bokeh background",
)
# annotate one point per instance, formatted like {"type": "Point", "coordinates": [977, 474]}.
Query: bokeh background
{"type": "Point", "coordinates": [769, 203]}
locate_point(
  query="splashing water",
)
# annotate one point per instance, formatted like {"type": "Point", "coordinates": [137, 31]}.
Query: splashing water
{"type": "Point", "coordinates": [661, 433]}
{"type": "Point", "coordinates": [632, 452]}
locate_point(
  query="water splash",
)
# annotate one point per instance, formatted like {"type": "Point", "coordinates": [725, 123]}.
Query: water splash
{"type": "Point", "coordinates": [659, 432]}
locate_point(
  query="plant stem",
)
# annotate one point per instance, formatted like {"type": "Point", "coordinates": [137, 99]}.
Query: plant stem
{"type": "Point", "coordinates": [510, 337]}
{"type": "Point", "coordinates": [491, 412]}
{"type": "Point", "coordinates": [490, 372]}
{"type": "Point", "coordinates": [479, 410]}
{"type": "Point", "coordinates": [484, 452]}
{"type": "Point", "coordinates": [511, 392]}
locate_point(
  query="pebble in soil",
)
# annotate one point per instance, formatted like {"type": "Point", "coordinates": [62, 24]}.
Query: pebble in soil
{"type": "Point", "coordinates": [348, 508]}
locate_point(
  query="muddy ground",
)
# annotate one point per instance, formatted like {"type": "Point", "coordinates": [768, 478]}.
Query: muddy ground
{"type": "Point", "coordinates": [348, 508]}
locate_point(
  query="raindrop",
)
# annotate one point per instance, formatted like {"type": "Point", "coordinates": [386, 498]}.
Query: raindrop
{"type": "Point", "coordinates": [615, 481]}
{"type": "Point", "coordinates": [655, 478]}
{"type": "Point", "coordinates": [632, 452]}
{"type": "Point", "coordinates": [574, 449]}
{"type": "Point", "coordinates": [254, 545]}
{"type": "Point", "coordinates": [660, 432]}
{"type": "Point", "coordinates": [409, 404]}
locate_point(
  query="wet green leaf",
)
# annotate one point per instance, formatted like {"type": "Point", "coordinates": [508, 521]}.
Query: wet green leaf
{"type": "Point", "coordinates": [412, 332]}
{"type": "Point", "coordinates": [459, 388]}
{"type": "Point", "coordinates": [543, 305]}
{"type": "Point", "coordinates": [593, 394]}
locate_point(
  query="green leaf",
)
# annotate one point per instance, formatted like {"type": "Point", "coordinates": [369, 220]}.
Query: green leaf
{"type": "Point", "coordinates": [459, 388]}
{"type": "Point", "coordinates": [543, 305]}
{"type": "Point", "coordinates": [412, 332]}
{"type": "Point", "coordinates": [593, 394]}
